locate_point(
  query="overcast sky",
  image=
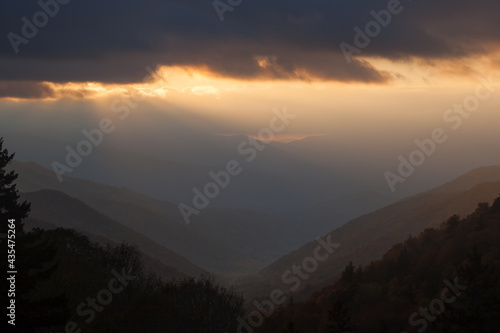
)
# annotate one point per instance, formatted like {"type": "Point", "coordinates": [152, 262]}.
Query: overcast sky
{"type": "Point", "coordinates": [112, 41]}
{"type": "Point", "coordinates": [225, 77]}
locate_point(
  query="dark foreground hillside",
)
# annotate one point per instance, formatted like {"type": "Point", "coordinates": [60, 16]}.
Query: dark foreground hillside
{"type": "Point", "coordinates": [444, 280]}
{"type": "Point", "coordinates": [87, 287]}
{"type": "Point", "coordinates": [60, 281]}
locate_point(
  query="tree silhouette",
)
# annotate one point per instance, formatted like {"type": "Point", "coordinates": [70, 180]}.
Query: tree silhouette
{"type": "Point", "coordinates": [290, 327]}
{"type": "Point", "coordinates": [190, 305]}
{"type": "Point", "coordinates": [477, 308]}
{"type": "Point", "coordinates": [348, 273]}
{"type": "Point", "coordinates": [10, 208]}
{"type": "Point", "coordinates": [340, 319]}
{"type": "Point", "coordinates": [33, 260]}
{"type": "Point", "coordinates": [495, 207]}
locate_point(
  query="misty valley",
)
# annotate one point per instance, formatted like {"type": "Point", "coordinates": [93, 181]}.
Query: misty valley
{"type": "Point", "coordinates": [231, 166]}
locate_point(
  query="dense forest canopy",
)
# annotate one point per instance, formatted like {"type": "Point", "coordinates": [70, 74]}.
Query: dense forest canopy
{"type": "Point", "coordinates": [444, 280]}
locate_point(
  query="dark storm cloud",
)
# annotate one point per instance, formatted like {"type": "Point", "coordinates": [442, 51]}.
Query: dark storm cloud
{"type": "Point", "coordinates": [25, 89]}
{"type": "Point", "coordinates": [114, 40]}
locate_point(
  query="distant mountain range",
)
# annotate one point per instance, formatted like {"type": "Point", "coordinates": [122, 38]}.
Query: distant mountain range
{"type": "Point", "coordinates": [51, 209]}
{"type": "Point", "coordinates": [219, 240]}
{"type": "Point", "coordinates": [223, 240]}
{"type": "Point", "coordinates": [368, 237]}
{"type": "Point", "coordinates": [276, 181]}
{"type": "Point", "coordinates": [236, 243]}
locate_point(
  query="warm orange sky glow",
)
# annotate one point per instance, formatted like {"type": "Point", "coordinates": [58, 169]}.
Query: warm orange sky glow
{"type": "Point", "coordinates": [415, 98]}
{"type": "Point", "coordinates": [369, 94]}
{"type": "Point", "coordinates": [198, 81]}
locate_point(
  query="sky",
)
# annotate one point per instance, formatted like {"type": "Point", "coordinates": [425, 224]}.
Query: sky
{"type": "Point", "coordinates": [366, 73]}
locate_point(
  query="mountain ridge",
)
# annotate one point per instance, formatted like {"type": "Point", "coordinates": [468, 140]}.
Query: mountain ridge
{"type": "Point", "coordinates": [60, 210]}
{"type": "Point", "coordinates": [367, 237]}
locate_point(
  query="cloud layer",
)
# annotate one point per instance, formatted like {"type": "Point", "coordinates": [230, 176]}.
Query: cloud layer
{"type": "Point", "coordinates": [113, 41]}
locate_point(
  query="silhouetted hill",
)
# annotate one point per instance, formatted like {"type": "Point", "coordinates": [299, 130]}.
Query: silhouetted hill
{"type": "Point", "coordinates": [480, 175]}
{"type": "Point", "coordinates": [218, 240]}
{"type": "Point", "coordinates": [444, 280]}
{"type": "Point", "coordinates": [275, 182]}
{"type": "Point", "coordinates": [325, 216]}
{"type": "Point", "coordinates": [56, 209]}
{"type": "Point", "coordinates": [368, 237]}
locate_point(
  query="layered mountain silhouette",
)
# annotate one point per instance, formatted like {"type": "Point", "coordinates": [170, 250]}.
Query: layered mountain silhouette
{"type": "Point", "coordinates": [219, 240]}
{"type": "Point", "coordinates": [51, 209]}
{"type": "Point", "coordinates": [368, 237]}
{"type": "Point", "coordinates": [239, 242]}
{"type": "Point", "coordinates": [276, 181]}
{"type": "Point", "coordinates": [443, 280]}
